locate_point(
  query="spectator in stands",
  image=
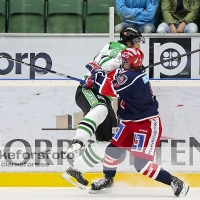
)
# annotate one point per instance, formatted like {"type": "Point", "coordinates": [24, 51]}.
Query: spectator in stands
{"type": "Point", "coordinates": [139, 15]}
{"type": "Point", "coordinates": [179, 16]}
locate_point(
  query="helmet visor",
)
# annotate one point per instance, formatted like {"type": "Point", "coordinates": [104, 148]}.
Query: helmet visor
{"type": "Point", "coordinates": [138, 40]}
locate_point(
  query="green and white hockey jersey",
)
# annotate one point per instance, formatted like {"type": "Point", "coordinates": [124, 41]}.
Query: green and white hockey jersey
{"type": "Point", "coordinates": [109, 57]}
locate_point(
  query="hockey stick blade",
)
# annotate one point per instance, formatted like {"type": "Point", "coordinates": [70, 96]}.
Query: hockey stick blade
{"type": "Point", "coordinates": [48, 70]}
{"type": "Point", "coordinates": [173, 58]}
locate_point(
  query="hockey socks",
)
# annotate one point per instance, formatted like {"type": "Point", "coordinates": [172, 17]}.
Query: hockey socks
{"type": "Point", "coordinates": [111, 160]}
{"type": "Point", "coordinates": [93, 154]}
{"type": "Point", "coordinates": [90, 122]}
{"type": "Point", "coordinates": [152, 170]}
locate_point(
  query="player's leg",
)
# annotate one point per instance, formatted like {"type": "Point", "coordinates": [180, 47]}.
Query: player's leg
{"type": "Point", "coordinates": [111, 160]}
{"type": "Point", "coordinates": [95, 109]}
{"type": "Point", "coordinates": [143, 149]}
{"type": "Point", "coordinates": [94, 153]}
{"type": "Point", "coordinates": [156, 172]}
{"type": "Point", "coordinates": [104, 131]}
{"type": "Point", "coordinates": [95, 105]}
{"type": "Point", "coordinates": [110, 164]}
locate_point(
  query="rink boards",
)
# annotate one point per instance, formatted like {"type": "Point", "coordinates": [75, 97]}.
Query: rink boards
{"type": "Point", "coordinates": [180, 110]}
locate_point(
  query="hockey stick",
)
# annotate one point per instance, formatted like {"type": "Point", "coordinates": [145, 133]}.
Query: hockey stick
{"type": "Point", "coordinates": [173, 58]}
{"type": "Point", "coordinates": [82, 81]}
{"type": "Point", "coordinates": [48, 70]}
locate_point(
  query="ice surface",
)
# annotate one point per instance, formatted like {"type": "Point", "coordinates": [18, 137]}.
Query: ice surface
{"type": "Point", "coordinates": [118, 192]}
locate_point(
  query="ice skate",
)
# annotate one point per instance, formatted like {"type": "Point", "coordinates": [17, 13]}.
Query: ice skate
{"type": "Point", "coordinates": [104, 185]}
{"type": "Point", "coordinates": [180, 189]}
{"type": "Point", "coordinates": [71, 174]}
{"type": "Point", "coordinates": [75, 145]}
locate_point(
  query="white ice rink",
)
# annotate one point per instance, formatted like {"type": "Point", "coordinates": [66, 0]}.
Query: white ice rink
{"type": "Point", "coordinates": [53, 193]}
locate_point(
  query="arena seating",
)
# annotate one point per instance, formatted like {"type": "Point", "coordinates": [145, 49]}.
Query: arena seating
{"type": "Point", "coordinates": [3, 13]}
{"type": "Point", "coordinates": [26, 16]}
{"type": "Point", "coordinates": [60, 16]}
{"type": "Point", "coordinates": [97, 16]}
{"type": "Point", "coordinates": [65, 16]}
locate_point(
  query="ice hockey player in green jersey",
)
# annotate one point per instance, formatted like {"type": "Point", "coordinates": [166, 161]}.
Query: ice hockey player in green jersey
{"type": "Point", "coordinates": [99, 117]}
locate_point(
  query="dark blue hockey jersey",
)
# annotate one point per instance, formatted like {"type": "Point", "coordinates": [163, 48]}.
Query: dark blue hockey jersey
{"type": "Point", "coordinates": [136, 99]}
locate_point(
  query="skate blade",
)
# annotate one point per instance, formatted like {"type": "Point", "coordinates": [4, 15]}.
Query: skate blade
{"type": "Point", "coordinates": [184, 191]}
{"type": "Point", "coordinates": [103, 191]}
{"type": "Point", "coordinates": [69, 178]}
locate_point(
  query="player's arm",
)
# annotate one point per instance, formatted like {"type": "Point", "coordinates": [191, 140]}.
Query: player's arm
{"type": "Point", "coordinates": [116, 83]}
{"type": "Point", "coordinates": [104, 86]}
{"type": "Point", "coordinates": [108, 60]}
{"type": "Point", "coordinates": [102, 82]}
{"type": "Point", "coordinates": [109, 63]}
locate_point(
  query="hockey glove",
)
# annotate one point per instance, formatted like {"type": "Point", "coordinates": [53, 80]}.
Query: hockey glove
{"type": "Point", "coordinates": [89, 83]}
{"type": "Point", "coordinates": [94, 68]}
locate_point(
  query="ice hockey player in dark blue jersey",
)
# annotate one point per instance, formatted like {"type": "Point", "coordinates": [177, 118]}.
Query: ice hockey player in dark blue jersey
{"type": "Point", "coordinates": [140, 126]}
